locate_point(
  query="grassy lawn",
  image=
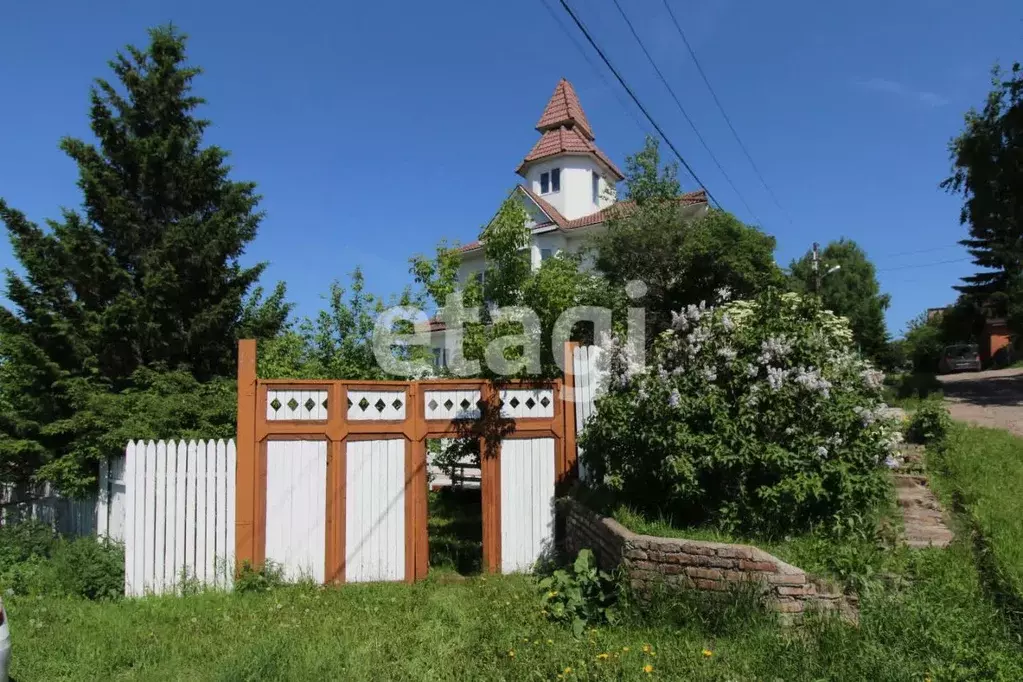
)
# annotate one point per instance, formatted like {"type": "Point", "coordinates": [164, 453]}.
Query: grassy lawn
{"type": "Point", "coordinates": [981, 471]}
{"type": "Point", "coordinates": [490, 628]}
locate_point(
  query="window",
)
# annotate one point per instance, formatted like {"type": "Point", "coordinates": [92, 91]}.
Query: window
{"type": "Point", "coordinates": [545, 254]}
{"type": "Point", "coordinates": [555, 179]}
{"type": "Point", "coordinates": [596, 188]}
{"type": "Point", "coordinates": [440, 358]}
{"type": "Point", "coordinates": [545, 183]}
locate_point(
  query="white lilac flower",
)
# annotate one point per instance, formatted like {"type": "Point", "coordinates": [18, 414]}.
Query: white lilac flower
{"type": "Point", "coordinates": [662, 373]}
{"type": "Point", "coordinates": [872, 379]}
{"type": "Point", "coordinates": [752, 370]}
{"type": "Point", "coordinates": [892, 462]}
{"type": "Point", "coordinates": [693, 313]}
{"type": "Point", "coordinates": [679, 322]}
{"type": "Point", "coordinates": [789, 430]}
{"type": "Point", "coordinates": [822, 451]}
{"type": "Point", "coordinates": [775, 377]}
{"type": "Point", "coordinates": [674, 399]}
{"type": "Point", "coordinates": [727, 323]}
{"type": "Point", "coordinates": [724, 294]}
{"type": "Point", "coordinates": [709, 374]}
{"type": "Point", "coordinates": [728, 354]}
{"type": "Point", "coordinates": [811, 380]}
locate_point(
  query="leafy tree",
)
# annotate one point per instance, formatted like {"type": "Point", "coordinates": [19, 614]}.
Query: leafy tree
{"type": "Point", "coordinates": [145, 277]}
{"type": "Point", "coordinates": [683, 259]}
{"type": "Point", "coordinates": [924, 343]}
{"type": "Point", "coordinates": [852, 292]}
{"type": "Point", "coordinates": [987, 170]}
{"type": "Point", "coordinates": [337, 343]}
{"type": "Point", "coordinates": [508, 280]}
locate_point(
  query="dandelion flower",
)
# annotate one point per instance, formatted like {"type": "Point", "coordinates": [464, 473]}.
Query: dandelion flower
{"type": "Point", "coordinates": [550, 641]}
{"type": "Point", "coordinates": [646, 648]}
{"type": "Point", "coordinates": [568, 670]}
{"type": "Point", "coordinates": [648, 668]}
{"type": "Point", "coordinates": [707, 653]}
{"type": "Point", "coordinates": [511, 653]}
{"type": "Point", "coordinates": [625, 649]}
{"type": "Point", "coordinates": [602, 657]}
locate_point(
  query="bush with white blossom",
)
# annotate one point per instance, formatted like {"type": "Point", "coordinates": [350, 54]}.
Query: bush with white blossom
{"type": "Point", "coordinates": [753, 415]}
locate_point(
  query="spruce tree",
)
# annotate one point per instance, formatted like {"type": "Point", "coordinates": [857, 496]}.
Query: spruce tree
{"type": "Point", "coordinates": [987, 169]}
{"type": "Point", "coordinates": [144, 278]}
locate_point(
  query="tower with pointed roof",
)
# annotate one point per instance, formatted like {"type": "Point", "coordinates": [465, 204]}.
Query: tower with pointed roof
{"type": "Point", "coordinates": [565, 167]}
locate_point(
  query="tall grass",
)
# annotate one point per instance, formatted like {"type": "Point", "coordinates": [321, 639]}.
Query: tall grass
{"type": "Point", "coordinates": [980, 471]}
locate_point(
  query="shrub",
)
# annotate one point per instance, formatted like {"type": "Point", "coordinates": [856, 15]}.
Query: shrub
{"type": "Point", "coordinates": [930, 424]}
{"type": "Point", "coordinates": [267, 577]}
{"type": "Point", "coordinates": [34, 561]}
{"type": "Point", "coordinates": [580, 594]}
{"type": "Point", "coordinates": [756, 416]}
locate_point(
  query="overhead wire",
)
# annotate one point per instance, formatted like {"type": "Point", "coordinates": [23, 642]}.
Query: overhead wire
{"type": "Point", "coordinates": [683, 111]}
{"type": "Point", "coordinates": [724, 114]}
{"type": "Point", "coordinates": [632, 95]}
{"type": "Point", "coordinates": [593, 65]}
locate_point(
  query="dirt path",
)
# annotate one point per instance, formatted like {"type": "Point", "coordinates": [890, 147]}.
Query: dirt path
{"type": "Point", "coordinates": [993, 398]}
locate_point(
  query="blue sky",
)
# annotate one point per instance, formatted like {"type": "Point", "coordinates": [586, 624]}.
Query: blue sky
{"type": "Point", "coordinates": [375, 129]}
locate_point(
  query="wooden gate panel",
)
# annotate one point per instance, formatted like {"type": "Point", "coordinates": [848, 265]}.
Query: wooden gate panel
{"type": "Point", "coordinates": [527, 502]}
{"type": "Point", "coordinates": [375, 511]}
{"type": "Point", "coordinates": [295, 501]}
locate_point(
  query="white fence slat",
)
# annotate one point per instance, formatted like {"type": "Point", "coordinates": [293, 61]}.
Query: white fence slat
{"type": "Point", "coordinates": [181, 464]}
{"type": "Point", "coordinates": [220, 541]}
{"type": "Point", "coordinates": [200, 512]}
{"type": "Point", "coordinates": [129, 521]}
{"type": "Point", "coordinates": [149, 525]}
{"type": "Point", "coordinates": [211, 513]}
{"type": "Point", "coordinates": [192, 453]}
{"type": "Point", "coordinates": [160, 518]}
{"type": "Point", "coordinates": [232, 464]}
{"type": "Point", "coordinates": [103, 499]}
{"type": "Point", "coordinates": [170, 574]}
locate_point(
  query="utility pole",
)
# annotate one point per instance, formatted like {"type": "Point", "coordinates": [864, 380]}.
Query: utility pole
{"type": "Point", "coordinates": [816, 269]}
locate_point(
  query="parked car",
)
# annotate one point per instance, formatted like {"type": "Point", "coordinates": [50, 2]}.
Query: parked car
{"type": "Point", "coordinates": [959, 358]}
{"type": "Point", "coordinates": [5, 643]}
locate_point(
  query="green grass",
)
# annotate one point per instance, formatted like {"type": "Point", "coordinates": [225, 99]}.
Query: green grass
{"type": "Point", "coordinates": [455, 525]}
{"type": "Point", "coordinates": [466, 629]}
{"type": "Point", "coordinates": [981, 471]}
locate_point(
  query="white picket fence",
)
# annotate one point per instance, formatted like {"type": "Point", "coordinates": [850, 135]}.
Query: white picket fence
{"type": "Point", "coordinates": [588, 382]}
{"type": "Point", "coordinates": [179, 518]}
{"type": "Point", "coordinates": [100, 514]}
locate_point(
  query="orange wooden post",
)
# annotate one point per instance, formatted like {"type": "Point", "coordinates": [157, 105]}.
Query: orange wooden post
{"type": "Point", "coordinates": [490, 483]}
{"type": "Point", "coordinates": [568, 395]}
{"type": "Point", "coordinates": [245, 483]}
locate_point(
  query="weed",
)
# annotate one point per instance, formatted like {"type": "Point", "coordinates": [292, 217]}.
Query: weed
{"type": "Point", "coordinates": [930, 424]}
{"type": "Point", "coordinates": [267, 577]}
{"type": "Point", "coordinates": [580, 594]}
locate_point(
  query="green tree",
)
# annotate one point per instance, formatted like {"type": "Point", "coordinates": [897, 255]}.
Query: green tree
{"type": "Point", "coordinates": [987, 171]}
{"type": "Point", "coordinates": [852, 291]}
{"type": "Point", "coordinates": [682, 257]}
{"type": "Point", "coordinates": [145, 277]}
{"type": "Point", "coordinates": [924, 342]}
{"type": "Point", "coordinates": [509, 280]}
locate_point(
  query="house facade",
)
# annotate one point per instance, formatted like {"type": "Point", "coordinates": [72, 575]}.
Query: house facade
{"type": "Point", "coordinates": [568, 188]}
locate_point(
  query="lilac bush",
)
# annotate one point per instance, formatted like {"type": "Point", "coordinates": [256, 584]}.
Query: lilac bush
{"type": "Point", "coordinates": [755, 415]}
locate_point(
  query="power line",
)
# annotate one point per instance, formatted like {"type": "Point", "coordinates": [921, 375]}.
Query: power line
{"type": "Point", "coordinates": [925, 265]}
{"type": "Point", "coordinates": [635, 99]}
{"type": "Point", "coordinates": [915, 251]}
{"type": "Point", "coordinates": [682, 109]}
{"type": "Point", "coordinates": [706, 81]}
{"type": "Point", "coordinates": [594, 66]}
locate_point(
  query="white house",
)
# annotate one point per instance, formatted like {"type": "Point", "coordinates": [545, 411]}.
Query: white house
{"type": "Point", "coordinates": [568, 186]}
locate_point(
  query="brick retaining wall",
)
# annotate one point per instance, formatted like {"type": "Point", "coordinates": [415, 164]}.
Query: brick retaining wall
{"type": "Point", "coordinates": [709, 566]}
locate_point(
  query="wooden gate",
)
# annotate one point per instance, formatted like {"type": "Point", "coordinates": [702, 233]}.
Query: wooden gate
{"type": "Point", "coordinates": [331, 477]}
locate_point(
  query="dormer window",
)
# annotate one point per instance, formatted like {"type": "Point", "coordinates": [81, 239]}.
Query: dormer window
{"type": "Point", "coordinates": [550, 182]}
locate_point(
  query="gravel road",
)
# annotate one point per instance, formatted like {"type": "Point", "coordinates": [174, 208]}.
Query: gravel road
{"type": "Point", "coordinates": [992, 398]}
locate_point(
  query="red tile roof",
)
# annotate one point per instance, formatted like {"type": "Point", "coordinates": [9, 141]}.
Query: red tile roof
{"type": "Point", "coordinates": [565, 139]}
{"type": "Point", "coordinates": [622, 207]}
{"type": "Point", "coordinates": [564, 109]}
